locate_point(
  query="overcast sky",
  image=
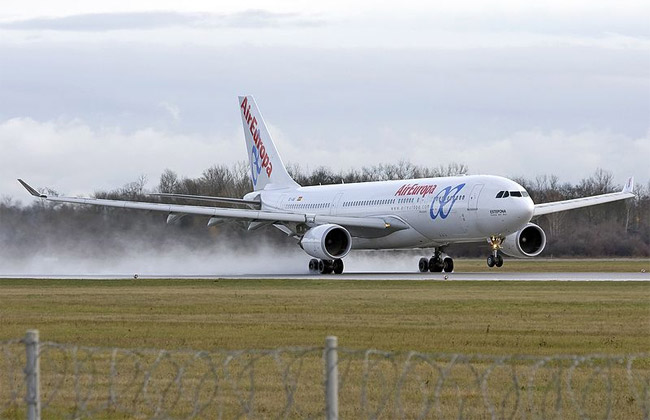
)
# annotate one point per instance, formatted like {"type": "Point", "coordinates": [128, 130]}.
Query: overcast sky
{"type": "Point", "coordinates": [95, 94]}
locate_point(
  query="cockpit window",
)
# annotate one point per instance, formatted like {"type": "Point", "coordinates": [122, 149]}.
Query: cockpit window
{"type": "Point", "coordinates": [505, 194]}
{"type": "Point", "coordinates": [500, 194]}
{"type": "Point", "coordinates": [524, 193]}
{"type": "Point", "coordinates": [515, 193]}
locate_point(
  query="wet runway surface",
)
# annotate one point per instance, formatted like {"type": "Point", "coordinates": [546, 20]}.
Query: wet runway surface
{"type": "Point", "coordinates": [484, 276]}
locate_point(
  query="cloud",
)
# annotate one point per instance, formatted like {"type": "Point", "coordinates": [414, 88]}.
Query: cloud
{"type": "Point", "coordinates": [172, 109]}
{"type": "Point", "coordinates": [571, 155]}
{"type": "Point", "coordinates": [72, 157]}
{"type": "Point", "coordinates": [101, 22]}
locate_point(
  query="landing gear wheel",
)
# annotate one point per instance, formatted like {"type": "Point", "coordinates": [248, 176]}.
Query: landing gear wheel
{"type": "Point", "coordinates": [423, 265]}
{"type": "Point", "coordinates": [325, 266]}
{"type": "Point", "coordinates": [499, 261]}
{"type": "Point", "coordinates": [435, 265]}
{"type": "Point", "coordinates": [495, 259]}
{"type": "Point", "coordinates": [448, 265]}
{"type": "Point", "coordinates": [313, 264]}
{"type": "Point", "coordinates": [337, 266]}
{"type": "Point", "coordinates": [491, 261]}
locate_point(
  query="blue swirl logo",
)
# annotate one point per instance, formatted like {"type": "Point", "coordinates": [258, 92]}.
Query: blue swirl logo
{"type": "Point", "coordinates": [444, 201]}
{"type": "Point", "coordinates": [256, 168]}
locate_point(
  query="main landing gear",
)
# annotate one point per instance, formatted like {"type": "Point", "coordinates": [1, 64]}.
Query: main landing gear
{"type": "Point", "coordinates": [440, 262]}
{"type": "Point", "coordinates": [495, 258]}
{"type": "Point", "coordinates": [326, 266]}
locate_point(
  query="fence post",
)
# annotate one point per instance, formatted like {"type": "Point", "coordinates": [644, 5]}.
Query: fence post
{"type": "Point", "coordinates": [331, 378]}
{"type": "Point", "coordinates": [32, 374]}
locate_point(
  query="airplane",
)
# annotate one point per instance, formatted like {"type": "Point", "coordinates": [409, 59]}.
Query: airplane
{"type": "Point", "coordinates": [328, 221]}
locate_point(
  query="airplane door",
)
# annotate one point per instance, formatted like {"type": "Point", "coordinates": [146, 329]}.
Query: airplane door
{"type": "Point", "coordinates": [472, 203]}
{"type": "Point", "coordinates": [334, 209]}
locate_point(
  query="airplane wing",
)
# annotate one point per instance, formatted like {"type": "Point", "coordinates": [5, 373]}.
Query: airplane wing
{"type": "Point", "coordinates": [556, 206]}
{"type": "Point", "coordinates": [386, 224]}
{"type": "Point", "coordinates": [209, 198]}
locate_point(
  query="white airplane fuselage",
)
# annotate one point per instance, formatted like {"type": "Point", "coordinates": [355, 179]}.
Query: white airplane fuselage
{"type": "Point", "coordinates": [438, 210]}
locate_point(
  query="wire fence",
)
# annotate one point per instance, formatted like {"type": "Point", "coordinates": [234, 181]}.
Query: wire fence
{"type": "Point", "coordinates": [314, 382]}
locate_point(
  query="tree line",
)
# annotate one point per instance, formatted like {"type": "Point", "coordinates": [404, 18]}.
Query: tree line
{"type": "Point", "coordinates": [620, 229]}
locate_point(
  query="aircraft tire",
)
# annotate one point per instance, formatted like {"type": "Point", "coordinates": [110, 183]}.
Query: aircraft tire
{"type": "Point", "coordinates": [499, 261]}
{"type": "Point", "coordinates": [313, 264]}
{"type": "Point", "coordinates": [325, 266]}
{"type": "Point", "coordinates": [423, 265]}
{"type": "Point", "coordinates": [337, 266]}
{"type": "Point", "coordinates": [448, 265]}
{"type": "Point", "coordinates": [490, 261]}
{"type": "Point", "coordinates": [435, 265]}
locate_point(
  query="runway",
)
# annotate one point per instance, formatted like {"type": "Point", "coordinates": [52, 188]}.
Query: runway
{"type": "Point", "coordinates": [378, 276]}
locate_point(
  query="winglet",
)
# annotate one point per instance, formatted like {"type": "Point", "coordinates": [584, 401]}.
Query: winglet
{"type": "Point", "coordinates": [31, 190]}
{"type": "Point", "coordinates": [629, 185]}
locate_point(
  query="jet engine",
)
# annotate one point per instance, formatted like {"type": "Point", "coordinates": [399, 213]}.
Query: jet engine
{"type": "Point", "coordinates": [527, 242]}
{"type": "Point", "coordinates": [327, 242]}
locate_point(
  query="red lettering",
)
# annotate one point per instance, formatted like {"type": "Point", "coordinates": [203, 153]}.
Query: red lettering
{"type": "Point", "coordinates": [251, 121]}
{"type": "Point", "coordinates": [415, 189]}
{"type": "Point", "coordinates": [257, 138]}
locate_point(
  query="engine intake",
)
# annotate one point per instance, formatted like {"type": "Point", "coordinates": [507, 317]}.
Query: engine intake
{"type": "Point", "coordinates": [527, 242]}
{"type": "Point", "coordinates": [327, 242]}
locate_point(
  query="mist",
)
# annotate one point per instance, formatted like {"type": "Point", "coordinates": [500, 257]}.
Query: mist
{"type": "Point", "coordinates": [138, 258]}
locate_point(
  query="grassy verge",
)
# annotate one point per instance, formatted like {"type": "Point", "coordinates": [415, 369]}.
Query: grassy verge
{"type": "Point", "coordinates": [499, 318]}
{"type": "Point", "coordinates": [556, 265]}
{"type": "Point", "coordinates": [470, 317]}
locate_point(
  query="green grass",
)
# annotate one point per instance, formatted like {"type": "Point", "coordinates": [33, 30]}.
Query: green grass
{"type": "Point", "coordinates": [555, 265]}
{"type": "Point", "coordinates": [430, 316]}
{"type": "Point", "coordinates": [484, 317]}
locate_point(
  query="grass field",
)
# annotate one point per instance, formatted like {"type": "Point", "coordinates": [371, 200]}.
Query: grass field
{"type": "Point", "coordinates": [498, 318]}
{"type": "Point", "coordinates": [555, 265]}
{"type": "Point", "coordinates": [469, 317]}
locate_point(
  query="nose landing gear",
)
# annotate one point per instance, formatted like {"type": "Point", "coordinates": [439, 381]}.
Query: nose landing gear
{"type": "Point", "coordinates": [326, 266]}
{"type": "Point", "coordinates": [495, 259]}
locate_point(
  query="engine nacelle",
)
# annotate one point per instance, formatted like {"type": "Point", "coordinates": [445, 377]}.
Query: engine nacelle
{"type": "Point", "coordinates": [327, 242]}
{"type": "Point", "coordinates": [527, 242]}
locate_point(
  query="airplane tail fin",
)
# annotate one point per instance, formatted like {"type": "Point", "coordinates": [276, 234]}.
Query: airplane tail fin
{"type": "Point", "coordinates": [266, 165]}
